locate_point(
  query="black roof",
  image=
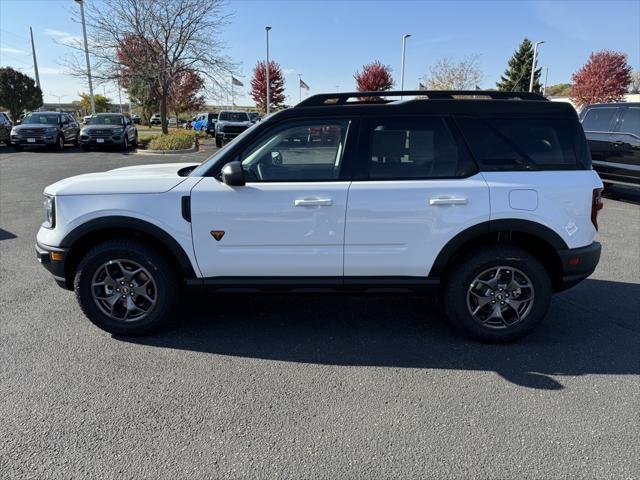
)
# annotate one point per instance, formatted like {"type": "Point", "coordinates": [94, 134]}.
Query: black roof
{"type": "Point", "coordinates": [474, 102]}
{"type": "Point", "coordinates": [613, 104]}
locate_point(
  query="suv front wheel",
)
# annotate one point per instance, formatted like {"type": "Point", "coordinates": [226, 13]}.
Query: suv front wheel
{"type": "Point", "coordinates": [126, 287]}
{"type": "Point", "coordinates": [498, 294]}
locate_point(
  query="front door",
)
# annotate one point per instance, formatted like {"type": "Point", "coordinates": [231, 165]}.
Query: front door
{"type": "Point", "coordinates": [416, 188]}
{"type": "Point", "coordinates": [288, 220]}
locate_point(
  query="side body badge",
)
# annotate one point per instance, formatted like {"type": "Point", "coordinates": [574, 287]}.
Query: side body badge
{"type": "Point", "coordinates": [217, 234]}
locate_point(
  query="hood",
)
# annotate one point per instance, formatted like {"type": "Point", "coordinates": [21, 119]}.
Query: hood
{"type": "Point", "coordinates": [35, 125]}
{"type": "Point", "coordinates": [157, 178]}
{"type": "Point", "coordinates": [103, 127]}
{"type": "Point", "coordinates": [244, 123]}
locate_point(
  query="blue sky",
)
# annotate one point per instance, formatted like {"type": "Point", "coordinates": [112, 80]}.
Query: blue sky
{"type": "Point", "coordinates": [327, 41]}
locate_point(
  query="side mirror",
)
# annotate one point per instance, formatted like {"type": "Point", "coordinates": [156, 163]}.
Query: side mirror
{"type": "Point", "coordinates": [233, 175]}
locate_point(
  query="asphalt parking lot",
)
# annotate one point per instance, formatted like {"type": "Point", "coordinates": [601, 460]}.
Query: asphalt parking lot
{"type": "Point", "coordinates": [310, 387]}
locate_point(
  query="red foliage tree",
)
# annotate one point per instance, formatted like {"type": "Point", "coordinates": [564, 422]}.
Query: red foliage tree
{"type": "Point", "coordinates": [375, 77]}
{"type": "Point", "coordinates": [259, 85]}
{"type": "Point", "coordinates": [183, 93]}
{"type": "Point", "coordinates": [604, 78]}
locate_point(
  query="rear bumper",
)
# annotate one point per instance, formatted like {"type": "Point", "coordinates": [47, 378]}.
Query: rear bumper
{"type": "Point", "coordinates": [55, 264]}
{"type": "Point", "coordinates": [578, 264]}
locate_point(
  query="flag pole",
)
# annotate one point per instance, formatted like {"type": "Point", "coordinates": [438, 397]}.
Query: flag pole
{"type": "Point", "coordinates": [299, 88]}
{"type": "Point", "coordinates": [232, 101]}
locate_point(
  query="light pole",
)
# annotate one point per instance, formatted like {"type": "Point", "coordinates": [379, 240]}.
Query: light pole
{"type": "Point", "coordinates": [59, 97]}
{"type": "Point", "coordinates": [533, 64]}
{"type": "Point", "coordinates": [404, 46]}
{"type": "Point", "coordinates": [86, 53]}
{"type": "Point", "coordinates": [266, 29]}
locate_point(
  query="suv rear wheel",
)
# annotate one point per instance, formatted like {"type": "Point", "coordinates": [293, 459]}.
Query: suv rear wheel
{"type": "Point", "coordinates": [498, 294]}
{"type": "Point", "coordinates": [126, 287]}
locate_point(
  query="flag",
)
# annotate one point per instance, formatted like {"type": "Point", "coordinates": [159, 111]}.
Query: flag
{"type": "Point", "coordinates": [478, 88]}
{"type": "Point", "coordinates": [236, 82]}
{"type": "Point", "coordinates": [304, 85]}
{"type": "Point", "coordinates": [421, 86]}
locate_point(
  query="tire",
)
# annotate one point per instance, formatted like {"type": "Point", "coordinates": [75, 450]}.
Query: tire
{"type": "Point", "coordinates": [125, 143]}
{"type": "Point", "coordinates": [151, 308]}
{"type": "Point", "coordinates": [466, 292]}
{"type": "Point", "coordinates": [60, 143]}
{"type": "Point", "coordinates": [86, 148]}
{"type": "Point", "coordinates": [218, 142]}
{"type": "Point", "coordinates": [76, 140]}
{"type": "Point", "coordinates": [134, 144]}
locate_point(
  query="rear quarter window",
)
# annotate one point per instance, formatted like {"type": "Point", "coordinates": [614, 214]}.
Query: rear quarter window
{"type": "Point", "coordinates": [533, 143]}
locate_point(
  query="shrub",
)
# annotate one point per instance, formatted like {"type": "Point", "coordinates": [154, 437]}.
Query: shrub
{"type": "Point", "coordinates": [172, 141]}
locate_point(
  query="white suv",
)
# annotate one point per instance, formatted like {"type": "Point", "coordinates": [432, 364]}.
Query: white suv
{"type": "Point", "coordinates": [487, 198]}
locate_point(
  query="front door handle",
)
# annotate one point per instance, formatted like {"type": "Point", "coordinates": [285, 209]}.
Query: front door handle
{"type": "Point", "coordinates": [448, 201]}
{"type": "Point", "coordinates": [313, 202]}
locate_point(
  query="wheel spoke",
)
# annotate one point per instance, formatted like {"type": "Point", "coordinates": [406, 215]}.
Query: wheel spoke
{"type": "Point", "coordinates": [124, 290]}
{"type": "Point", "coordinates": [500, 297]}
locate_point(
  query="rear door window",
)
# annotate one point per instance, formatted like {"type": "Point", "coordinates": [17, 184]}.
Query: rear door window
{"type": "Point", "coordinates": [630, 122]}
{"type": "Point", "coordinates": [522, 143]}
{"type": "Point", "coordinates": [415, 148]}
{"type": "Point", "coordinates": [599, 119]}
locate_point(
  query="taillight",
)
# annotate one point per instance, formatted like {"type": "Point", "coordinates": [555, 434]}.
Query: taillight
{"type": "Point", "coordinates": [596, 206]}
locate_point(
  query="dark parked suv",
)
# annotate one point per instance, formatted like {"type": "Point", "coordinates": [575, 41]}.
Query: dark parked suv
{"type": "Point", "coordinates": [45, 129]}
{"type": "Point", "coordinates": [613, 132]}
{"type": "Point", "coordinates": [109, 129]}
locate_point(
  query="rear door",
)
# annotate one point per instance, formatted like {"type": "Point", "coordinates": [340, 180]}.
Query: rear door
{"type": "Point", "coordinates": [598, 124]}
{"type": "Point", "coordinates": [624, 160]}
{"type": "Point", "coordinates": [416, 187]}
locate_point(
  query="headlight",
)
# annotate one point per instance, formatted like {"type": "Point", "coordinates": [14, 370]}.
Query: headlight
{"type": "Point", "coordinates": [49, 211]}
{"type": "Point", "coordinates": [51, 130]}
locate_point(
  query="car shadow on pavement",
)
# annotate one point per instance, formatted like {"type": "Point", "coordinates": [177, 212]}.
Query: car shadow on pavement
{"type": "Point", "coordinates": [5, 235]}
{"type": "Point", "coordinates": [590, 330]}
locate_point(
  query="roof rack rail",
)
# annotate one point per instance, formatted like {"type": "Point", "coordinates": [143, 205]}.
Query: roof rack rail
{"type": "Point", "coordinates": [343, 98]}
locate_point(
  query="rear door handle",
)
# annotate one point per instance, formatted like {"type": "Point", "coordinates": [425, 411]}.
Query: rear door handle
{"type": "Point", "coordinates": [448, 201]}
{"type": "Point", "coordinates": [313, 202]}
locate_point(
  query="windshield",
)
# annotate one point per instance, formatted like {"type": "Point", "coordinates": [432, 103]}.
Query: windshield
{"type": "Point", "coordinates": [48, 118]}
{"type": "Point", "coordinates": [106, 120]}
{"type": "Point", "coordinates": [233, 117]}
{"type": "Point", "coordinates": [204, 166]}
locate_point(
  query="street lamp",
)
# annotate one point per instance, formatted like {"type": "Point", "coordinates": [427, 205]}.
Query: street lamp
{"type": "Point", "coordinates": [59, 97]}
{"type": "Point", "coordinates": [266, 29]}
{"type": "Point", "coordinates": [404, 46]}
{"type": "Point", "coordinates": [533, 64]}
{"type": "Point", "coordinates": [86, 53]}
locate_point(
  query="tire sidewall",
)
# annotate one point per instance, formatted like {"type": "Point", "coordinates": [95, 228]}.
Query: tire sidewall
{"type": "Point", "coordinates": [162, 274]}
{"type": "Point", "coordinates": [470, 267]}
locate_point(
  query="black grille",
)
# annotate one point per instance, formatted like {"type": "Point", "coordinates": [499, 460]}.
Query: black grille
{"type": "Point", "coordinates": [100, 133]}
{"type": "Point", "coordinates": [234, 128]}
{"type": "Point", "coordinates": [31, 132]}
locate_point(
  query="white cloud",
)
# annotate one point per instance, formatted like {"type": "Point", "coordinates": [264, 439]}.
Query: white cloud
{"type": "Point", "coordinates": [12, 50]}
{"type": "Point", "coordinates": [49, 71]}
{"type": "Point", "coordinates": [62, 37]}
{"type": "Point", "coordinates": [289, 71]}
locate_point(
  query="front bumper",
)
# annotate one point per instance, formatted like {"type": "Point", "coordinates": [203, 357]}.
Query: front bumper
{"type": "Point", "coordinates": [99, 141]}
{"type": "Point", "coordinates": [54, 259]}
{"type": "Point", "coordinates": [578, 264]}
{"type": "Point", "coordinates": [37, 141]}
{"type": "Point", "coordinates": [227, 135]}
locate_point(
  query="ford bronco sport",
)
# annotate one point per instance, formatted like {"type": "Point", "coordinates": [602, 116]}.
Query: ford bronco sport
{"type": "Point", "coordinates": [485, 198]}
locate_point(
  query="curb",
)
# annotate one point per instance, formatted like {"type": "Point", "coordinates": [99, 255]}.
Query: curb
{"type": "Point", "coordinates": [166, 152]}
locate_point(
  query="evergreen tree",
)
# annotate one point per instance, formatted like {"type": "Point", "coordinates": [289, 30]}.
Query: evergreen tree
{"type": "Point", "coordinates": [517, 76]}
